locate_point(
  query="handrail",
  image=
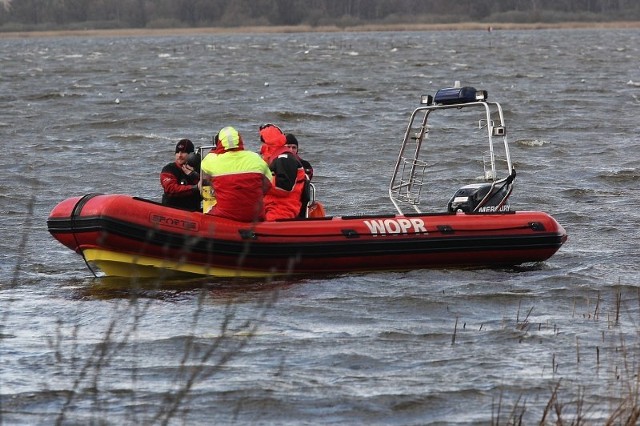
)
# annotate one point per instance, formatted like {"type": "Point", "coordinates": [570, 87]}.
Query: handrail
{"type": "Point", "coordinates": [409, 175]}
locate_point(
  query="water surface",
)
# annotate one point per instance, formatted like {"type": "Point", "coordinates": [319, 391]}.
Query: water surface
{"type": "Point", "coordinates": [82, 115]}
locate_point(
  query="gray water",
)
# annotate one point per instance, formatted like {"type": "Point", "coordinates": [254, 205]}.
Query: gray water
{"type": "Point", "coordinates": [82, 115]}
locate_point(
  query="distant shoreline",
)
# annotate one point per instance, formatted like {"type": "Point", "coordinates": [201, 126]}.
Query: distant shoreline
{"type": "Point", "coordinates": [468, 26]}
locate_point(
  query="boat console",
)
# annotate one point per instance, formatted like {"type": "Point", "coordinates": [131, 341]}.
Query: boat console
{"type": "Point", "coordinates": [428, 135]}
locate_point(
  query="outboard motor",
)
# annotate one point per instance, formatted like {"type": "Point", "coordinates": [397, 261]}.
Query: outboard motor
{"type": "Point", "coordinates": [482, 197]}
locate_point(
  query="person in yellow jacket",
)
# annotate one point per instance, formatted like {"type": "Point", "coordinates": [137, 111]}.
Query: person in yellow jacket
{"type": "Point", "coordinates": [239, 178]}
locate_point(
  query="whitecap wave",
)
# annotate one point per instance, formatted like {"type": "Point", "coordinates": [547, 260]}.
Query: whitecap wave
{"type": "Point", "coordinates": [531, 142]}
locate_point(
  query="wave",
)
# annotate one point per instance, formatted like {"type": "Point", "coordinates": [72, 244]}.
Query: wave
{"type": "Point", "coordinates": [620, 176]}
{"type": "Point", "coordinates": [531, 142]}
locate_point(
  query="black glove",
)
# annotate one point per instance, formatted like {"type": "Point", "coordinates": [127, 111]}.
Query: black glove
{"type": "Point", "coordinates": [193, 160]}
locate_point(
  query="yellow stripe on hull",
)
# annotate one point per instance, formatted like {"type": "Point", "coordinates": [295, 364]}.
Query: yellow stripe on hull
{"type": "Point", "coordinates": [116, 264]}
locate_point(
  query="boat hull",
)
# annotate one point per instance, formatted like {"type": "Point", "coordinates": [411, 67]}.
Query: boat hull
{"type": "Point", "coordinates": [120, 235]}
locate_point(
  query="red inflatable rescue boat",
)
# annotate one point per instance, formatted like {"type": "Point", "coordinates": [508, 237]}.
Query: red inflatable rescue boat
{"type": "Point", "coordinates": [122, 235]}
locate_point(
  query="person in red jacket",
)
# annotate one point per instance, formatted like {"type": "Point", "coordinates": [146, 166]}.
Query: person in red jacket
{"type": "Point", "coordinates": [284, 199]}
{"type": "Point", "coordinates": [179, 181]}
{"type": "Point", "coordinates": [239, 178]}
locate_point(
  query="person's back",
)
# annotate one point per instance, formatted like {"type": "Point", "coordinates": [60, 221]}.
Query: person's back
{"type": "Point", "coordinates": [239, 178]}
{"type": "Point", "coordinates": [284, 199]}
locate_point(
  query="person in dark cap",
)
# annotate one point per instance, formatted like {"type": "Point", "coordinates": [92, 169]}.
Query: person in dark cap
{"type": "Point", "coordinates": [310, 206]}
{"type": "Point", "coordinates": [292, 144]}
{"type": "Point", "coordinates": [180, 181]}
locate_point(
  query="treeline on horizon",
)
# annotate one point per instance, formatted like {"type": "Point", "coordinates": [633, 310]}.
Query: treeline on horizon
{"type": "Point", "coordinates": [24, 15]}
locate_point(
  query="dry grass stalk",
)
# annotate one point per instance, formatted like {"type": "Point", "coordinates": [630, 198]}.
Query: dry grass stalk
{"type": "Point", "coordinates": [455, 330]}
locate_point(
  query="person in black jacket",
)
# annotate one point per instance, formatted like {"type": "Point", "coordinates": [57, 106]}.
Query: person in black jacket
{"type": "Point", "coordinates": [292, 144]}
{"type": "Point", "coordinates": [180, 181]}
{"type": "Point", "coordinates": [310, 207]}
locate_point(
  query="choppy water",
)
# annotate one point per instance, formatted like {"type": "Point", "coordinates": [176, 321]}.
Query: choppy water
{"type": "Point", "coordinates": [82, 115]}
